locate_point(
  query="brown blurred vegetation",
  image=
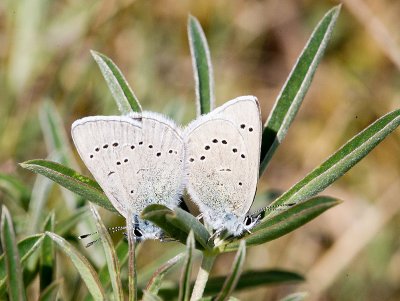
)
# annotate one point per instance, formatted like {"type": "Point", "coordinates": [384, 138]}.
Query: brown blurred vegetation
{"type": "Point", "coordinates": [352, 252]}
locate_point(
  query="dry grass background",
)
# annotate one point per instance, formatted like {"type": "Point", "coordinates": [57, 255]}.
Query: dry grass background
{"type": "Point", "coordinates": [352, 252]}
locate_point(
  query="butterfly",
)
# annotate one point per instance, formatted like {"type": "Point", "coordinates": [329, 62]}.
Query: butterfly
{"type": "Point", "coordinates": [222, 164]}
{"type": "Point", "coordinates": [137, 160]}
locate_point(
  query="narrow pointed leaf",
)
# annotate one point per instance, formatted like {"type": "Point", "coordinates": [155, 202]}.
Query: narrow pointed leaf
{"type": "Point", "coordinates": [132, 275]}
{"type": "Point", "coordinates": [70, 179]}
{"type": "Point", "coordinates": [184, 286]}
{"type": "Point", "coordinates": [50, 293]}
{"type": "Point", "coordinates": [82, 265]}
{"type": "Point", "coordinates": [285, 221]}
{"type": "Point", "coordinates": [202, 68]}
{"type": "Point", "coordinates": [341, 161]}
{"type": "Point", "coordinates": [154, 284]}
{"type": "Point", "coordinates": [121, 251]}
{"type": "Point", "coordinates": [248, 280]}
{"type": "Point", "coordinates": [177, 224]}
{"type": "Point", "coordinates": [295, 88]}
{"type": "Point", "coordinates": [25, 248]}
{"type": "Point", "coordinates": [126, 100]}
{"type": "Point", "coordinates": [47, 262]}
{"type": "Point", "coordinates": [15, 283]}
{"type": "Point", "coordinates": [16, 189]}
{"type": "Point", "coordinates": [111, 257]}
{"type": "Point", "coordinates": [233, 278]}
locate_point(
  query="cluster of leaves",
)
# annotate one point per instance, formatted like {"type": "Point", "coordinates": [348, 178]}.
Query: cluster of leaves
{"type": "Point", "coordinates": [178, 223]}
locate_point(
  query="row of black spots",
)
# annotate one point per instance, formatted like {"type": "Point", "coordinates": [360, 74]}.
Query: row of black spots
{"type": "Point", "coordinates": [243, 126]}
{"type": "Point", "coordinates": [105, 146]}
{"type": "Point", "coordinates": [215, 140]}
{"type": "Point", "coordinates": [125, 161]}
{"type": "Point", "coordinates": [202, 158]}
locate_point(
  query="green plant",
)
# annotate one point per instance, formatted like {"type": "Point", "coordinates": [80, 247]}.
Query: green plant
{"type": "Point", "coordinates": [178, 224]}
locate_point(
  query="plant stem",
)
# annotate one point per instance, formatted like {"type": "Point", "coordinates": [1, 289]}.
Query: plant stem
{"type": "Point", "coordinates": [132, 279]}
{"type": "Point", "coordinates": [202, 277]}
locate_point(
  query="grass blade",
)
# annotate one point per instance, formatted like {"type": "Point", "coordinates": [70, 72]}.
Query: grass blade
{"type": "Point", "coordinates": [70, 179]}
{"type": "Point", "coordinates": [341, 161]}
{"type": "Point", "coordinates": [132, 275]}
{"type": "Point", "coordinates": [47, 262]}
{"type": "Point", "coordinates": [126, 100]}
{"type": "Point", "coordinates": [184, 285]}
{"type": "Point", "coordinates": [16, 289]}
{"type": "Point", "coordinates": [248, 280]}
{"type": "Point", "coordinates": [154, 284]}
{"type": "Point", "coordinates": [82, 265]}
{"type": "Point", "coordinates": [202, 68]}
{"type": "Point", "coordinates": [111, 257]}
{"type": "Point", "coordinates": [285, 222]}
{"type": "Point", "coordinates": [295, 88]}
{"type": "Point", "coordinates": [232, 279]}
{"type": "Point", "coordinates": [25, 248]}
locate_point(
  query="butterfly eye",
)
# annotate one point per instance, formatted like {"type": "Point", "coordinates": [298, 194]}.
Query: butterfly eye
{"type": "Point", "coordinates": [137, 232]}
{"type": "Point", "coordinates": [248, 220]}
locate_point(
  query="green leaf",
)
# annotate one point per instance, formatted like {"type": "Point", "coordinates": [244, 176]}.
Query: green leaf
{"type": "Point", "coordinates": [82, 265]}
{"type": "Point", "coordinates": [236, 270]}
{"type": "Point", "coordinates": [284, 222]}
{"type": "Point", "coordinates": [50, 293]}
{"type": "Point", "coordinates": [111, 257]}
{"type": "Point", "coordinates": [15, 283]}
{"type": "Point", "coordinates": [295, 88]}
{"type": "Point", "coordinates": [341, 161]}
{"type": "Point", "coordinates": [132, 275]}
{"type": "Point", "coordinates": [184, 284]}
{"type": "Point", "coordinates": [121, 251]}
{"type": "Point", "coordinates": [248, 280]}
{"type": "Point", "coordinates": [295, 297]}
{"type": "Point", "coordinates": [202, 68]}
{"type": "Point", "coordinates": [16, 189]}
{"type": "Point", "coordinates": [154, 284]}
{"type": "Point", "coordinates": [25, 248]}
{"type": "Point", "coordinates": [177, 224]}
{"type": "Point", "coordinates": [47, 262]}
{"type": "Point", "coordinates": [126, 100]}
{"type": "Point", "coordinates": [70, 179]}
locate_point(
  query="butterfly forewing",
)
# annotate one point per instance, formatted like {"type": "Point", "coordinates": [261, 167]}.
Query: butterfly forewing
{"type": "Point", "coordinates": [137, 160]}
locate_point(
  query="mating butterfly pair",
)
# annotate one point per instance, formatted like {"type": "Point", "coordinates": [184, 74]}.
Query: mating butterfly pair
{"type": "Point", "coordinates": [145, 158]}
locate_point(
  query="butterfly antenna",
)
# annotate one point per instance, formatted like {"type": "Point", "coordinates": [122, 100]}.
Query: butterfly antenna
{"type": "Point", "coordinates": [110, 230]}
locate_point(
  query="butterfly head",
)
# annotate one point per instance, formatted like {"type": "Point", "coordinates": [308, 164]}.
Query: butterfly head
{"type": "Point", "coordinates": [143, 230]}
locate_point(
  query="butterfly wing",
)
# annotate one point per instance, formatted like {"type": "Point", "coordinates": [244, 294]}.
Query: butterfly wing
{"type": "Point", "coordinates": [222, 158]}
{"type": "Point", "coordinates": [137, 160]}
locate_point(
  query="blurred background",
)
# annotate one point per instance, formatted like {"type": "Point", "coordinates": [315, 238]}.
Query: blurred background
{"type": "Point", "coordinates": [351, 252]}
